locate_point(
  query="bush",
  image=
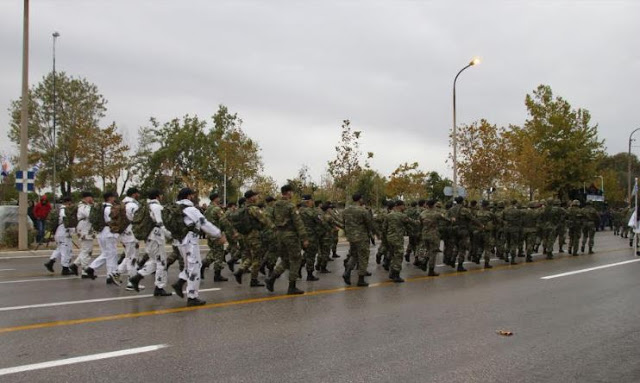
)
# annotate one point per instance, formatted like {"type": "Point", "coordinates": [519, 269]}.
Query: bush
{"type": "Point", "coordinates": [10, 237]}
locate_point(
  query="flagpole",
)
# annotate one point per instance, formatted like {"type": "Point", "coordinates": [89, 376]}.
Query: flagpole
{"type": "Point", "coordinates": [24, 135]}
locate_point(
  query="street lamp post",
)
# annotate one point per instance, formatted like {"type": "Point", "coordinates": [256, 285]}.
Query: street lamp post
{"type": "Point", "coordinates": [473, 62]}
{"type": "Point", "coordinates": [55, 157]}
{"type": "Point", "coordinates": [601, 184]}
{"type": "Point", "coordinates": [629, 167]}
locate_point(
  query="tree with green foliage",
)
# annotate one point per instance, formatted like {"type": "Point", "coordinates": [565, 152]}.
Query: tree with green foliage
{"type": "Point", "coordinates": [79, 109]}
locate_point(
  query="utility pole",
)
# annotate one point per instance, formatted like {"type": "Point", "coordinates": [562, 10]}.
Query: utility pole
{"type": "Point", "coordinates": [23, 240]}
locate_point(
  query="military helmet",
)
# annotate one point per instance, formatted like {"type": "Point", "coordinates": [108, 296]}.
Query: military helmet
{"type": "Point", "coordinates": [501, 204]}
{"type": "Point", "coordinates": [575, 202]}
{"type": "Point", "coordinates": [557, 202]}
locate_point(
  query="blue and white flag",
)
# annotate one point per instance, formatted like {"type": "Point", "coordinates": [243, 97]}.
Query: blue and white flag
{"type": "Point", "coordinates": [37, 167]}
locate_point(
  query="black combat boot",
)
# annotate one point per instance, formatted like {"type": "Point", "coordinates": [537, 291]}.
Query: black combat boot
{"type": "Point", "coordinates": [347, 277]}
{"type": "Point", "coordinates": [158, 292]}
{"type": "Point", "coordinates": [311, 277]}
{"type": "Point", "coordinates": [432, 272]}
{"type": "Point", "coordinates": [256, 283]}
{"type": "Point", "coordinates": [582, 249]}
{"type": "Point", "coordinates": [362, 282]}
{"type": "Point", "coordinates": [378, 257]}
{"type": "Point", "coordinates": [217, 276]}
{"type": "Point", "coordinates": [407, 256]}
{"type": "Point", "coordinates": [195, 302]}
{"type": "Point", "coordinates": [513, 260]}
{"type": "Point", "coordinates": [232, 265]}
{"type": "Point", "coordinates": [238, 275]}
{"type": "Point", "coordinates": [630, 243]}
{"type": "Point", "coordinates": [335, 255]}
{"type": "Point", "coordinates": [89, 273]}
{"type": "Point", "coordinates": [74, 269]}
{"type": "Point", "coordinates": [177, 287]}
{"type": "Point", "coordinates": [549, 255]}
{"type": "Point", "coordinates": [49, 265]}
{"type": "Point", "coordinates": [529, 259]}
{"type": "Point", "coordinates": [135, 281]}
{"type": "Point", "coordinates": [423, 264]}
{"type": "Point", "coordinates": [386, 263]}
{"type": "Point", "coordinates": [461, 267]}
{"type": "Point", "coordinates": [560, 250]}
{"type": "Point", "coordinates": [487, 265]}
{"type": "Point", "coordinates": [66, 271]}
{"type": "Point", "coordinates": [203, 270]}
{"type": "Point", "coordinates": [396, 277]}
{"type": "Point", "coordinates": [293, 290]}
{"type": "Point", "coordinates": [269, 282]}
{"type": "Point", "coordinates": [591, 250]}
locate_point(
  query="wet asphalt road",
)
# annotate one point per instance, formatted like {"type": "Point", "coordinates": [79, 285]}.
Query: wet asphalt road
{"type": "Point", "coordinates": [577, 328]}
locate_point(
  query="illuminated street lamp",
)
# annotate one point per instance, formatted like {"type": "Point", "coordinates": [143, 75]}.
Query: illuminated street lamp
{"type": "Point", "coordinates": [473, 62]}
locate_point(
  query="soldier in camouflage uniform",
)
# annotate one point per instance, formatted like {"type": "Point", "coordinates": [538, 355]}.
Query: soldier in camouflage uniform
{"type": "Point", "coordinates": [233, 247]}
{"type": "Point", "coordinates": [575, 220]}
{"type": "Point", "coordinates": [474, 251]}
{"type": "Point", "coordinates": [462, 221]}
{"type": "Point", "coordinates": [215, 256]}
{"type": "Point", "coordinates": [314, 228]}
{"type": "Point", "coordinates": [530, 229]}
{"type": "Point", "coordinates": [591, 221]}
{"type": "Point", "coordinates": [258, 222]}
{"type": "Point", "coordinates": [358, 227]}
{"type": "Point", "coordinates": [445, 230]}
{"type": "Point", "coordinates": [412, 212]}
{"type": "Point", "coordinates": [395, 226]}
{"type": "Point", "coordinates": [512, 217]}
{"type": "Point", "coordinates": [484, 238]}
{"type": "Point", "coordinates": [560, 217]}
{"type": "Point", "coordinates": [270, 239]}
{"type": "Point", "coordinates": [291, 233]}
{"type": "Point", "coordinates": [500, 237]}
{"type": "Point", "coordinates": [378, 219]}
{"type": "Point", "coordinates": [431, 220]}
{"type": "Point", "coordinates": [328, 224]}
{"type": "Point", "coordinates": [616, 221]}
{"type": "Point", "coordinates": [548, 228]}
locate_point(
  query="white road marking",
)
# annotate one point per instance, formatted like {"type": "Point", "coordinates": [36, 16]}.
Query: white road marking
{"type": "Point", "coordinates": [68, 303]}
{"type": "Point", "coordinates": [26, 256]}
{"type": "Point", "coordinates": [39, 280]}
{"type": "Point", "coordinates": [80, 359]}
{"type": "Point", "coordinates": [589, 269]}
{"type": "Point", "coordinates": [7, 269]}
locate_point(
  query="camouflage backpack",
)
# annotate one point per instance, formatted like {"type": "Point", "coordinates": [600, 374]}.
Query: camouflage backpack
{"type": "Point", "coordinates": [281, 213]}
{"type": "Point", "coordinates": [173, 219]}
{"type": "Point", "coordinates": [142, 224]}
{"type": "Point", "coordinates": [70, 219]}
{"type": "Point", "coordinates": [241, 221]}
{"type": "Point", "coordinates": [119, 221]}
{"type": "Point", "coordinates": [96, 217]}
{"type": "Point", "coordinates": [53, 220]}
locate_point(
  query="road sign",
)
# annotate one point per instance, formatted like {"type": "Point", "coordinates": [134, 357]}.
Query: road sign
{"type": "Point", "coordinates": [22, 183]}
{"type": "Point", "coordinates": [448, 191]}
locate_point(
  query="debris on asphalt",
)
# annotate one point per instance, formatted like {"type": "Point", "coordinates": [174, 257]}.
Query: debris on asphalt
{"type": "Point", "coordinates": [504, 332]}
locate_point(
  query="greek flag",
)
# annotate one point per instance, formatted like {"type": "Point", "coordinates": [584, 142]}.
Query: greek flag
{"type": "Point", "coordinates": [36, 167]}
{"type": "Point", "coordinates": [635, 189]}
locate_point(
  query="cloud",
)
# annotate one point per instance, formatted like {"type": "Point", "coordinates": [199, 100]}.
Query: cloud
{"type": "Point", "coordinates": [294, 70]}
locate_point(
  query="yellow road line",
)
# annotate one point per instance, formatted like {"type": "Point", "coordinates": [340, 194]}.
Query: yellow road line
{"type": "Point", "coordinates": [253, 300]}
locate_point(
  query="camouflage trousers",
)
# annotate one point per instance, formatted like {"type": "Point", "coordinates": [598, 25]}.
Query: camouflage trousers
{"type": "Point", "coordinates": [574, 238]}
{"type": "Point", "coordinates": [530, 239]}
{"type": "Point", "coordinates": [290, 255]}
{"type": "Point", "coordinates": [358, 254]}
{"type": "Point", "coordinates": [548, 239]}
{"type": "Point", "coordinates": [460, 244]}
{"type": "Point", "coordinates": [483, 243]}
{"type": "Point", "coordinates": [513, 240]}
{"type": "Point", "coordinates": [561, 232]}
{"type": "Point", "coordinates": [414, 241]}
{"type": "Point", "coordinates": [428, 249]}
{"type": "Point", "coordinates": [324, 252]}
{"type": "Point", "coordinates": [254, 253]}
{"type": "Point", "coordinates": [310, 254]}
{"type": "Point", "coordinates": [395, 250]}
{"type": "Point", "coordinates": [215, 256]}
{"type": "Point", "coordinates": [588, 232]}
{"type": "Point", "coordinates": [175, 256]}
{"type": "Point", "coordinates": [334, 241]}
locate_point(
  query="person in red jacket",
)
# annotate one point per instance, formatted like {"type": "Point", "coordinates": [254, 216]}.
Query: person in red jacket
{"type": "Point", "coordinates": [41, 212]}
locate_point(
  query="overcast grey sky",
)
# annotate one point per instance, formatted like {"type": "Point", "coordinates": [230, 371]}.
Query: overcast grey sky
{"type": "Point", "coordinates": [293, 70]}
